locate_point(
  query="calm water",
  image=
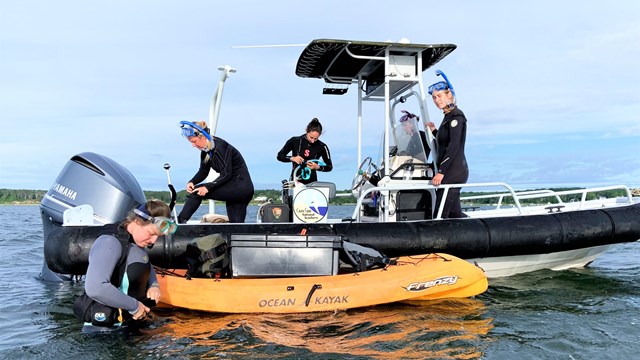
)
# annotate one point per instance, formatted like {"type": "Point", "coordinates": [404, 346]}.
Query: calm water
{"type": "Point", "coordinates": [590, 313]}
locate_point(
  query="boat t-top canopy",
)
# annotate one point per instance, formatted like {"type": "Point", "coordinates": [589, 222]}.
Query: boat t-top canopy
{"type": "Point", "coordinates": [389, 72]}
{"type": "Point", "coordinates": [347, 61]}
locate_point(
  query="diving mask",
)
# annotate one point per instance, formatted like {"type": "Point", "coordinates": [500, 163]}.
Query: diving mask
{"type": "Point", "coordinates": [189, 129]}
{"type": "Point", "coordinates": [165, 225]}
{"type": "Point", "coordinates": [439, 86]}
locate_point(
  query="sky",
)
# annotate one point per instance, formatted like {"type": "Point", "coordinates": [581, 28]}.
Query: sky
{"type": "Point", "coordinates": [551, 89]}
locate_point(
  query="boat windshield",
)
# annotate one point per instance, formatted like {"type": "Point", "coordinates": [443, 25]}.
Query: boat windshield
{"type": "Point", "coordinates": [408, 141]}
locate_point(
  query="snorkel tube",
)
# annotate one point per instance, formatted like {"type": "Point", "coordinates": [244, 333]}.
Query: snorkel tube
{"type": "Point", "coordinates": [444, 76]}
{"type": "Point", "coordinates": [305, 172]}
{"type": "Point", "coordinates": [194, 127]}
{"type": "Point", "coordinates": [190, 129]}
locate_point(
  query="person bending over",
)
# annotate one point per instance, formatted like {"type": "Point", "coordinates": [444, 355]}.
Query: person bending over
{"type": "Point", "coordinates": [233, 185]}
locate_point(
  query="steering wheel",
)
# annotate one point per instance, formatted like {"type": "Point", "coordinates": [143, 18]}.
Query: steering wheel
{"type": "Point", "coordinates": [364, 173]}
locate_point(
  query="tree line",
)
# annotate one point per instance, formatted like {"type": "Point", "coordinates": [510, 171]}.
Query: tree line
{"type": "Point", "coordinates": [22, 196]}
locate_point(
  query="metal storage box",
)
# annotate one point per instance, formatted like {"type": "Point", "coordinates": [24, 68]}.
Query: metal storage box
{"type": "Point", "coordinates": [254, 255]}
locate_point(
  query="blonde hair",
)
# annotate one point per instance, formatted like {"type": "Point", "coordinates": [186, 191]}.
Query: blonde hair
{"type": "Point", "coordinates": [203, 125]}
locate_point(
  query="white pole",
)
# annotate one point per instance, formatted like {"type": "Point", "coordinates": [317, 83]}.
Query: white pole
{"type": "Point", "coordinates": [214, 113]}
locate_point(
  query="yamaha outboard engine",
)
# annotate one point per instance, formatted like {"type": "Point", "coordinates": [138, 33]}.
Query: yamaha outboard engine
{"type": "Point", "coordinates": [96, 180]}
{"type": "Point", "coordinates": [87, 179]}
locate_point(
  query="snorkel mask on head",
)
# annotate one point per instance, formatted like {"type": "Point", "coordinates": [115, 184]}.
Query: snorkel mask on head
{"type": "Point", "coordinates": [165, 225]}
{"type": "Point", "coordinates": [189, 129]}
{"type": "Point", "coordinates": [408, 116]}
{"type": "Point", "coordinates": [443, 85]}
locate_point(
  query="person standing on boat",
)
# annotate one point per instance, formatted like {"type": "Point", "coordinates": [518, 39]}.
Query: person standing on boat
{"type": "Point", "coordinates": [233, 185]}
{"type": "Point", "coordinates": [305, 148]}
{"type": "Point", "coordinates": [121, 284]}
{"type": "Point", "coordinates": [450, 140]}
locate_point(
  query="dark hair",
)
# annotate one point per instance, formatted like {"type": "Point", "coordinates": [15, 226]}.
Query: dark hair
{"type": "Point", "coordinates": [314, 125]}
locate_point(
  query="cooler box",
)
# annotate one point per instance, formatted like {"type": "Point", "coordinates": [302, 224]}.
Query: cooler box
{"type": "Point", "coordinates": [255, 255]}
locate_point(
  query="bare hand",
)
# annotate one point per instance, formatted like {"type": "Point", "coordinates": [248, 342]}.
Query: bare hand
{"type": "Point", "coordinates": [202, 190]}
{"type": "Point", "coordinates": [431, 126]}
{"type": "Point", "coordinates": [297, 159]}
{"type": "Point", "coordinates": [313, 165]}
{"type": "Point", "coordinates": [437, 179]}
{"type": "Point", "coordinates": [141, 312]}
{"type": "Point", "coordinates": [190, 187]}
{"type": "Point", "coordinates": [153, 293]}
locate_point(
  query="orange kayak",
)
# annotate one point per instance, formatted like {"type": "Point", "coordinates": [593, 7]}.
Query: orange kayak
{"type": "Point", "coordinates": [414, 278]}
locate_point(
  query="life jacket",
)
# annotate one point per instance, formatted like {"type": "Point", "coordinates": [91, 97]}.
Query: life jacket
{"type": "Point", "coordinates": [208, 257]}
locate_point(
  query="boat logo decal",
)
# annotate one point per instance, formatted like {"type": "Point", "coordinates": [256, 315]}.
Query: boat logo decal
{"type": "Point", "coordinates": [276, 212]}
{"type": "Point", "coordinates": [277, 302]}
{"type": "Point", "coordinates": [318, 300]}
{"type": "Point", "coordinates": [425, 285]}
{"type": "Point", "coordinates": [64, 191]}
{"type": "Point", "coordinates": [310, 205]}
{"type": "Point", "coordinates": [100, 316]}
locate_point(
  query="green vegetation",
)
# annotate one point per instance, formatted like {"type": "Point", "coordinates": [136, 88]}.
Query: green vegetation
{"type": "Point", "coordinates": [12, 196]}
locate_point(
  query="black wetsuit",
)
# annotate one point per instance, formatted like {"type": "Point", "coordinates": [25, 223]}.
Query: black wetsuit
{"type": "Point", "coordinates": [300, 146]}
{"type": "Point", "coordinates": [233, 185]}
{"type": "Point", "coordinates": [452, 163]}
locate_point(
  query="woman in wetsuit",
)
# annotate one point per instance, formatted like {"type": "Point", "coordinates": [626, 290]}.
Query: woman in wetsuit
{"type": "Point", "coordinates": [450, 140]}
{"type": "Point", "coordinates": [304, 148]}
{"type": "Point", "coordinates": [138, 285]}
{"type": "Point", "coordinates": [233, 185]}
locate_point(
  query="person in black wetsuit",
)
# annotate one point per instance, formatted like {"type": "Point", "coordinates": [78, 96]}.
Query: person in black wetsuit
{"type": "Point", "coordinates": [138, 285]}
{"type": "Point", "coordinates": [450, 140]}
{"type": "Point", "coordinates": [304, 148]}
{"type": "Point", "coordinates": [233, 185]}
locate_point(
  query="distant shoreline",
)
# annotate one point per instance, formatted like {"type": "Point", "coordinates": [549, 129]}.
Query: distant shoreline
{"type": "Point", "coordinates": [38, 199]}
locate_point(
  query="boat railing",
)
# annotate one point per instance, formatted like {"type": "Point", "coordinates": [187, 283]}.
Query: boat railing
{"type": "Point", "coordinates": [517, 197]}
{"type": "Point", "coordinates": [539, 194]}
{"type": "Point", "coordinates": [426, 185]}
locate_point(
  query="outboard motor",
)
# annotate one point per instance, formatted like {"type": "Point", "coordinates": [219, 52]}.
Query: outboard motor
{"type": "Point", "coordinates": [109, 190]}
{"type": "Point", "coordinates": [96, 180]}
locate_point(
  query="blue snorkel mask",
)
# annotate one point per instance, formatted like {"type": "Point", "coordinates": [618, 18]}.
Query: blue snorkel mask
{"type": "Point", "coordinates": [442, 85]}
{"type": "Point", "coordinates": [189, 129]}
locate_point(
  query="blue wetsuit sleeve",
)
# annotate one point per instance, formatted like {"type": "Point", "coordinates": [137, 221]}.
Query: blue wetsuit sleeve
{"type": "Point", "coordinates": [153, 279]}
{"type": "Point", "coordinates": [103, 258]}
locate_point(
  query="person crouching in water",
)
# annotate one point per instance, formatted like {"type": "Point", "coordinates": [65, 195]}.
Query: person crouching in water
{"type": "Point", "coordinates": [233, 185]}
{"type": "Point", "coordinates": [121, 284]}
